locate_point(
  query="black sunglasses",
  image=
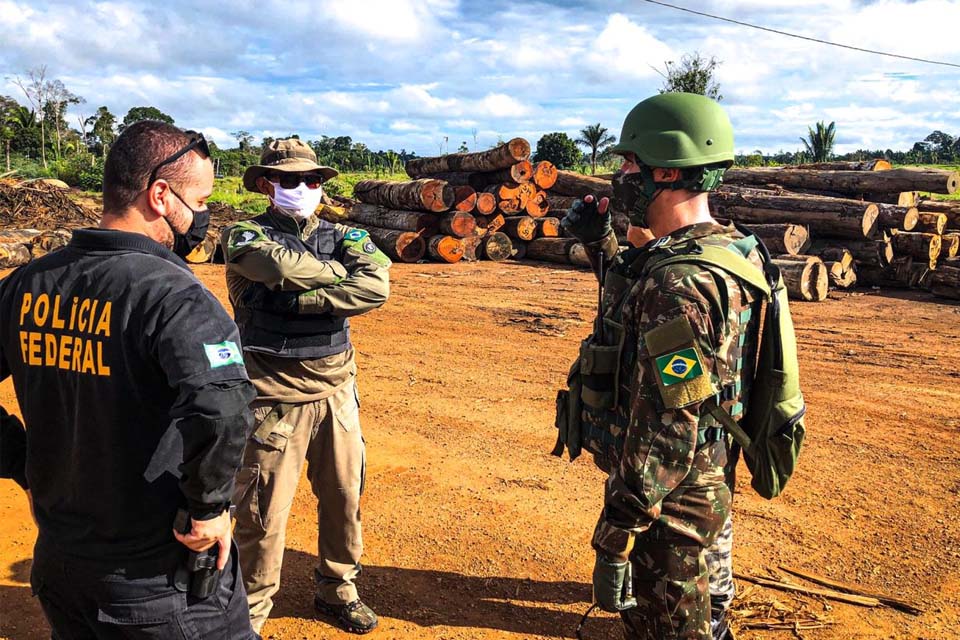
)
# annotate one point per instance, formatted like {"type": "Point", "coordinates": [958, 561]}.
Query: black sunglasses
{"type": "Point", "coordinates": [197, 141]}
{"type": "Point", "coordinates": [293, 180]}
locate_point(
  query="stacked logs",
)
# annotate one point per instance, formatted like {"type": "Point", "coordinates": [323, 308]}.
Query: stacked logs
{"type": "Point", "coordinates": [864, 220]}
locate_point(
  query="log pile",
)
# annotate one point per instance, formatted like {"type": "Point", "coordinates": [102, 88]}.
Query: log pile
{"type": "Point", "coordinates": [865, 221]}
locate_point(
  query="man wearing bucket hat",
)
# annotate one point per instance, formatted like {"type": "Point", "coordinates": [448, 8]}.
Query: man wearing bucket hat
{"type": "Point", "coordinates": [294, 280]}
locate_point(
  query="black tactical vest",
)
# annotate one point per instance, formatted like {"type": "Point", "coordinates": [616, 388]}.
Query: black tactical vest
{"type": "Point", "coordinates": [269, 321]}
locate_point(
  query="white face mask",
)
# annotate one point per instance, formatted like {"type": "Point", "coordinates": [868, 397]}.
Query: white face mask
{"type": "Point", "coordinates": [299, 203]}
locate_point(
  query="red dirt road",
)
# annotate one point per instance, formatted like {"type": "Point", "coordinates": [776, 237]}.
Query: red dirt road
{"type": "Point", "coordinates": [474, 531]}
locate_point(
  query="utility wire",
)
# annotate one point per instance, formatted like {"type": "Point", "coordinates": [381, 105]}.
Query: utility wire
{"type": "Point", "coordinates": [795, 35]}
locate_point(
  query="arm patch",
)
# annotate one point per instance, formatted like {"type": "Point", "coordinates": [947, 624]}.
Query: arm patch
{"type": "Point", "coordinates": [242, 237]}
{"type": "Point", "coordinates": [359, 243]}
{"type": "Point", "coordinates": [678, 364]}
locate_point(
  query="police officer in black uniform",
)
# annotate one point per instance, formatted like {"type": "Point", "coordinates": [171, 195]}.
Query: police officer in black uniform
{"type": "Point", "coordinates": [132, 386]}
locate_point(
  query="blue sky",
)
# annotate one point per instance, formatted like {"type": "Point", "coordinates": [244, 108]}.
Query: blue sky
{"type": "Point", "coordinates": [408, 73]}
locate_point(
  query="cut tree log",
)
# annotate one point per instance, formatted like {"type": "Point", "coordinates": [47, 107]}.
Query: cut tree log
{"type": "Point", "coordinates": [951, 245]}
{"type": "Point", "coordinates": [571, 183]}
{"type": "Point", "coordinates": [897, 274]}
{"type": "Point", "coordinates": [445, 248]}
{"type": "Point", "coordinates": [400, 246]}
{"type": "Point", "coordinates": [550, 249]}
{"type": "Point", "coordinates": [489, 224]}
{"type": "Point", "coordinates": [471, 248]}
{"type": "Point", "coordinates": [499, 157]}
{"type": "Point", "coordinates": [417, 195]}
{"type": "Point", "coordinates": [544, 174]}
{"type": "Point", "coordinates": [385, 218]}
{"type": "Point", "coordinates": [852, 182]}
{"type": "Point", "coordinates": [877, 164]}
{"type": "Point", "coordinates": [829, 253]}
{"type": "Point", "coordinates": [950, 209]}
{"type": "Point", "coordinates": [874, 252]}
{"type": "Point", "coordinates": [922, 246]}
{"type": "Point", "coordinates": [791, 239]}
{"type": "Point", "coordinates": [512, 198]}
{"type": "Point", "coordinates": [519, 251]}
{"type": "Point", "coordinates": [14, 254]}
{"type": "Point", "coordinates": [458, 224]}
{"type": "Point", "coordinates": [53, 239]}
{"type": "Point", "coordinates": [578, 256]}
{"type": "Point", "coordinates": [932, 223]}
{"type": "Point", "coordinates": [945, 282]}
{"type": "Point", "coordinates": [18, 236]}
{"type": "Point", "coordinates": [518, 173]}
{"type": "Point", "coordinates": [520, 228]}
{"type": "Point", "coordinates": [496, 247]}
{"type": "Point", "coordinates": [892, 216]}
{"type": "Point", "coordinates": [560, 203]}
{"type": "Point", "coordinates": [464, 199]}
{"type": "Point", "coordinates": [806, 279]}
{"type": "Point", "coordinates": [548, 227]}
{"type": "Point", "coordinates": [831, 217]}
{"type": "Point", "coordinates": [537, 205]}
{"type": "Point", "coordinates": [840, 276]}
{"type": "Point", "coordinates": [486, 203]}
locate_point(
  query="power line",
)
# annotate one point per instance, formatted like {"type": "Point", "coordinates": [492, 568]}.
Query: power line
{"type": "Point", "coordinates": [796, 35]}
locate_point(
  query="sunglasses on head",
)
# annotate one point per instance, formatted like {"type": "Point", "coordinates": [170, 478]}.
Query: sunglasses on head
{"type": "Point", "coordinates": [293, 180]}
{"type": "Point", "coordinates": [197, 142]}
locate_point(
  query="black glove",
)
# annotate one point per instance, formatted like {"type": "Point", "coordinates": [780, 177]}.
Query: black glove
{"type": "Point", "coordinates": [612, 584]}
{"type": "Point", "coordinates": [585, 222]}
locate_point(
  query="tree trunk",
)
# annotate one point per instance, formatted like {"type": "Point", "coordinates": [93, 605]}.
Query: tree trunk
{"type": "Point", "coordinates": [901, 199]}
{"type": "Point", "coordinates": [873, 252]}
{"type": "Point", "coordinates": [419, 195]}
{"type": "Point", "coordinates": [791, 239]}
{"type": "Point", "coordinates": [518, 173]}
{"type": "Point", "coordinates": [520, 228]}
{"type": "Point", "coordinates": [851, 182]}
{"type": "Point", "coordinates": [840, 255]}
{"type": "Point", "coordinates": [841, 277]}
{"type": "Point", "coordinates": [578, 256]}
{"type": "Point", "coordinates": [560, 203]}
{"type": "Point", "coordinates": [471, 248]}
{"type": "Point", "coordinates": [51, 240]}
{"type": "Point", "coordinates": [377, 216]}
{"type": "Point", "coordinates": [897, 274]}
{"type": "Point", "coordinates": [14, 255]}
{"type": "Point", "coordinates": [950, 209]}
{"type": "Point", "coordinates": [932, 223]}
{"type": "Point", "coordinates": [512, 198]}
{"type": "Point", "coordinates": [8, 155]}
{"type": "Point", "coordinates": [499, 157]}
{"type": "Point", "coordinates": [570, 183]}
{"type": "Point", "coordinates": [18, 236]}
{"type": "Point", "coordinates": [519, 250]}
{"type": "Point", "coordinates": [489, 224]}
{"type": "Point", "coordinates": [893, 216]}
{"type": "Point", "coordinates": [497, 247]}
{"type": "Point", "coordinates": [945, 282]}
{"type": "Point", "coordinates": [825, 216]}
{"type": "Point", "coordinates": [486, 203]}
{"type": "Point", "coordinates": [544, 174]}
{"type": "Point", "coordinates": [805, 279]}
{"type": "Point", "coordinates": [537, 206]}
{"type": "Point", "coordinates": [877, 164]}
{"type": "Point", "coordinates": [548, 227]}
{"type": "Point", "coordinates": [550, 249]}
{"type": "Point", "coordinates": [921, 246]}
{"type": "Point", "coordinates": [464, 199]}
{"type": "Point", "coordinates": [400, 246]}
{"type": "Point", "coordinates": [951, 245]}
{"type": "Point", "coordinates": [445, 249]}
{"type": "Point", "coordinates": [458, 224]}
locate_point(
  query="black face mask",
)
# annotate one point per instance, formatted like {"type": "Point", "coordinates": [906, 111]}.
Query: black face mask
{"type": "Point", "coordinates": [184, 243]}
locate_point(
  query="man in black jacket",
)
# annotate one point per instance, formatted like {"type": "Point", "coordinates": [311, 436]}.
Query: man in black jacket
{"type": "Point", "coordinates": [132, 387]}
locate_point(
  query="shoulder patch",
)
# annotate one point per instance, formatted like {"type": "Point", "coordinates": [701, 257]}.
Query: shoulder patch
{"type": "Point", "coordinates": [356, 235]}
{"type": "Point", "coordinates": [678, 364]}
{"type": "Point", "coordinates": [223, 353]}
{"type": "Point", "coordinates": [242, 235]}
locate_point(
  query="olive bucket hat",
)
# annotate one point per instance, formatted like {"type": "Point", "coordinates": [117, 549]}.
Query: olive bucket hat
{"type": "Point", "coordinates": [290, 156]}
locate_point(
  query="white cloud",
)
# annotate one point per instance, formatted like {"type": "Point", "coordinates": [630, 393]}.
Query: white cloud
{"type": "Point", "coordinates": [627, 50]}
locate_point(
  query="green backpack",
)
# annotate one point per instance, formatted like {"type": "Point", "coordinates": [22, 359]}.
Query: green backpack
{"type": "Point", "coordinates": [772, 429]}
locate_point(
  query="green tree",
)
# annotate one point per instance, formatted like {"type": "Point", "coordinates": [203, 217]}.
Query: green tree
{"type": "Point", "coordinates": [560, 149]}
{"type": "Point", "coordinates": [598, 140]}
{"type": "Point", "coordinates": [463, 148]}
{"type": "Point", "coordinates": [103, 126]}
{"type": "Point", "coordinates": [693, 74]}
{"type": "Point", "coordinates": [136, 114]}
{"type": "Point", "coordinates": [819, 142]}
{"type": "Point", "coordinates": [55, 109]}
{"type": "Point", "coordinates": [244, 139]}
{"type": "Point", "coordinates": [8, 113]}
{"type": "Point", "coordinates": [35, 87]}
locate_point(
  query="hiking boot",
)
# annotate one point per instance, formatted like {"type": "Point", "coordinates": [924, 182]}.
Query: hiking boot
{"type": "Point", "coordinates": [354, 617]}
{"type": "Point", "coordinates": [721, 629]}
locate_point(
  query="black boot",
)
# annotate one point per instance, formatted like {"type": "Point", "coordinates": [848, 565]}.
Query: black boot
{"type": "Point", "coordinates": [354, 617]}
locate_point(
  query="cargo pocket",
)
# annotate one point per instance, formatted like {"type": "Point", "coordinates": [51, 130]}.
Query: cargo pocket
{"type": "Point", "coordinates": [347, 415]}
{"type": "Point", "coordinates": [246, 496]}
{"type": "Point", "coordinates": [273, 432]}
{"type": "Point", "coordinates": [155, 616]}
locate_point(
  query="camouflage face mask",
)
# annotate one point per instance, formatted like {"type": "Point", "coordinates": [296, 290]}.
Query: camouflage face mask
{"type": "Point", "coordinates": [633, 193]}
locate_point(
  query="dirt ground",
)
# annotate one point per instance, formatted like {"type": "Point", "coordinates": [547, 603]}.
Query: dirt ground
{"type": "Point", "coordinates": [474, 531]}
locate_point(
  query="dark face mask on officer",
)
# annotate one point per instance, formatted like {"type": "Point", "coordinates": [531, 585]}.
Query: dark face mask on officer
{"type": "Point", "coordinates": [633, 193]}
{"type": "Point", "coordinates": [186, 241]}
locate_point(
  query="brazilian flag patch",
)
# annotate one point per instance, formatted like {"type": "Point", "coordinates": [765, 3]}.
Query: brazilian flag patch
{"type": "Point", "coordinates": [679, 366]}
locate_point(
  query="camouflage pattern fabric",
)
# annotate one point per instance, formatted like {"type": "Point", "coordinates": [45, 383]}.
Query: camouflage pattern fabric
{"type": "Point", "coordinates": [672, 592]}
{"type": "Point", "coordinates": [720, 567]}
{"type": "Point", "coordinates": [667, 474]}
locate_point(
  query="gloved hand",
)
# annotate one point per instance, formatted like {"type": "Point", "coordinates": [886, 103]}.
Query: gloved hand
{"type": "Point", "coordinates": [588, 220]}
{"type": "Point", "coordinates": [613, 584]}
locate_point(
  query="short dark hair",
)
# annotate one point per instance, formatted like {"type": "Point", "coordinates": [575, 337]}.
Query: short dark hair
{"type": "Point", "coordinates": [141, 147]}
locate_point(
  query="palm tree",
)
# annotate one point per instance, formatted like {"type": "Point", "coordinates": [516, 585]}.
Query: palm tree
{"type": "Point", "coordinates": [597, 140]}
{"type": "Point", "coordinates": [819, 143]}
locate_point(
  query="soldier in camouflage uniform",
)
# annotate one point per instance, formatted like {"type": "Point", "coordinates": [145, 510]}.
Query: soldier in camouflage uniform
{"type": "Point", "coordinates": [685, 338]}
{"type": "Point", "coordinates": [294, 280]}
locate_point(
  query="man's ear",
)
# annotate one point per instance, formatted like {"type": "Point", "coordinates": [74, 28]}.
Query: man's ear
{"type": "Point", "coordinates": [156, 198]}
{"type": "Point", "coordinates": [264, 186]}
{"type": "Point", "coordinates": [666, 175]}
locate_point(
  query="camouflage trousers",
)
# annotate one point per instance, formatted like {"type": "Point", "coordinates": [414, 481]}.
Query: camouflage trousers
{"type": "Point", "coordinates": [720, 568]}
{"type": "Point", "coordinates": [672, 590]}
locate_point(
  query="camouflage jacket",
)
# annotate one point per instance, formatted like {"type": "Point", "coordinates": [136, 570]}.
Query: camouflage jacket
{"type": "Point", "coordinates": [669, 472]}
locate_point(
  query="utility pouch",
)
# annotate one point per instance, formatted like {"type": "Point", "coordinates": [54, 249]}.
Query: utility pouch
{"type": "Point", "coordinates": [600, 367]}
{"type": "Point", "coordinates": [569, 415]}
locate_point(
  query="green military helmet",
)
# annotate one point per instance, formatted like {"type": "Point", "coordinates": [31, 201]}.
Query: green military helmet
{"type": "Point", "coordinates": [678, 130]}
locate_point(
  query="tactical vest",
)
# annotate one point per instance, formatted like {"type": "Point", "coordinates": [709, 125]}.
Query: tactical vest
{"type": "Point", "coordinates": [269, 321]}
{"type": "Point", "coordinates": [598, 400]}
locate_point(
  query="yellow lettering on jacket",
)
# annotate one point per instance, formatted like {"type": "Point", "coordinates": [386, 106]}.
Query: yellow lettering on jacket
{"type": "Point", "coordinates": [49, 339]}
